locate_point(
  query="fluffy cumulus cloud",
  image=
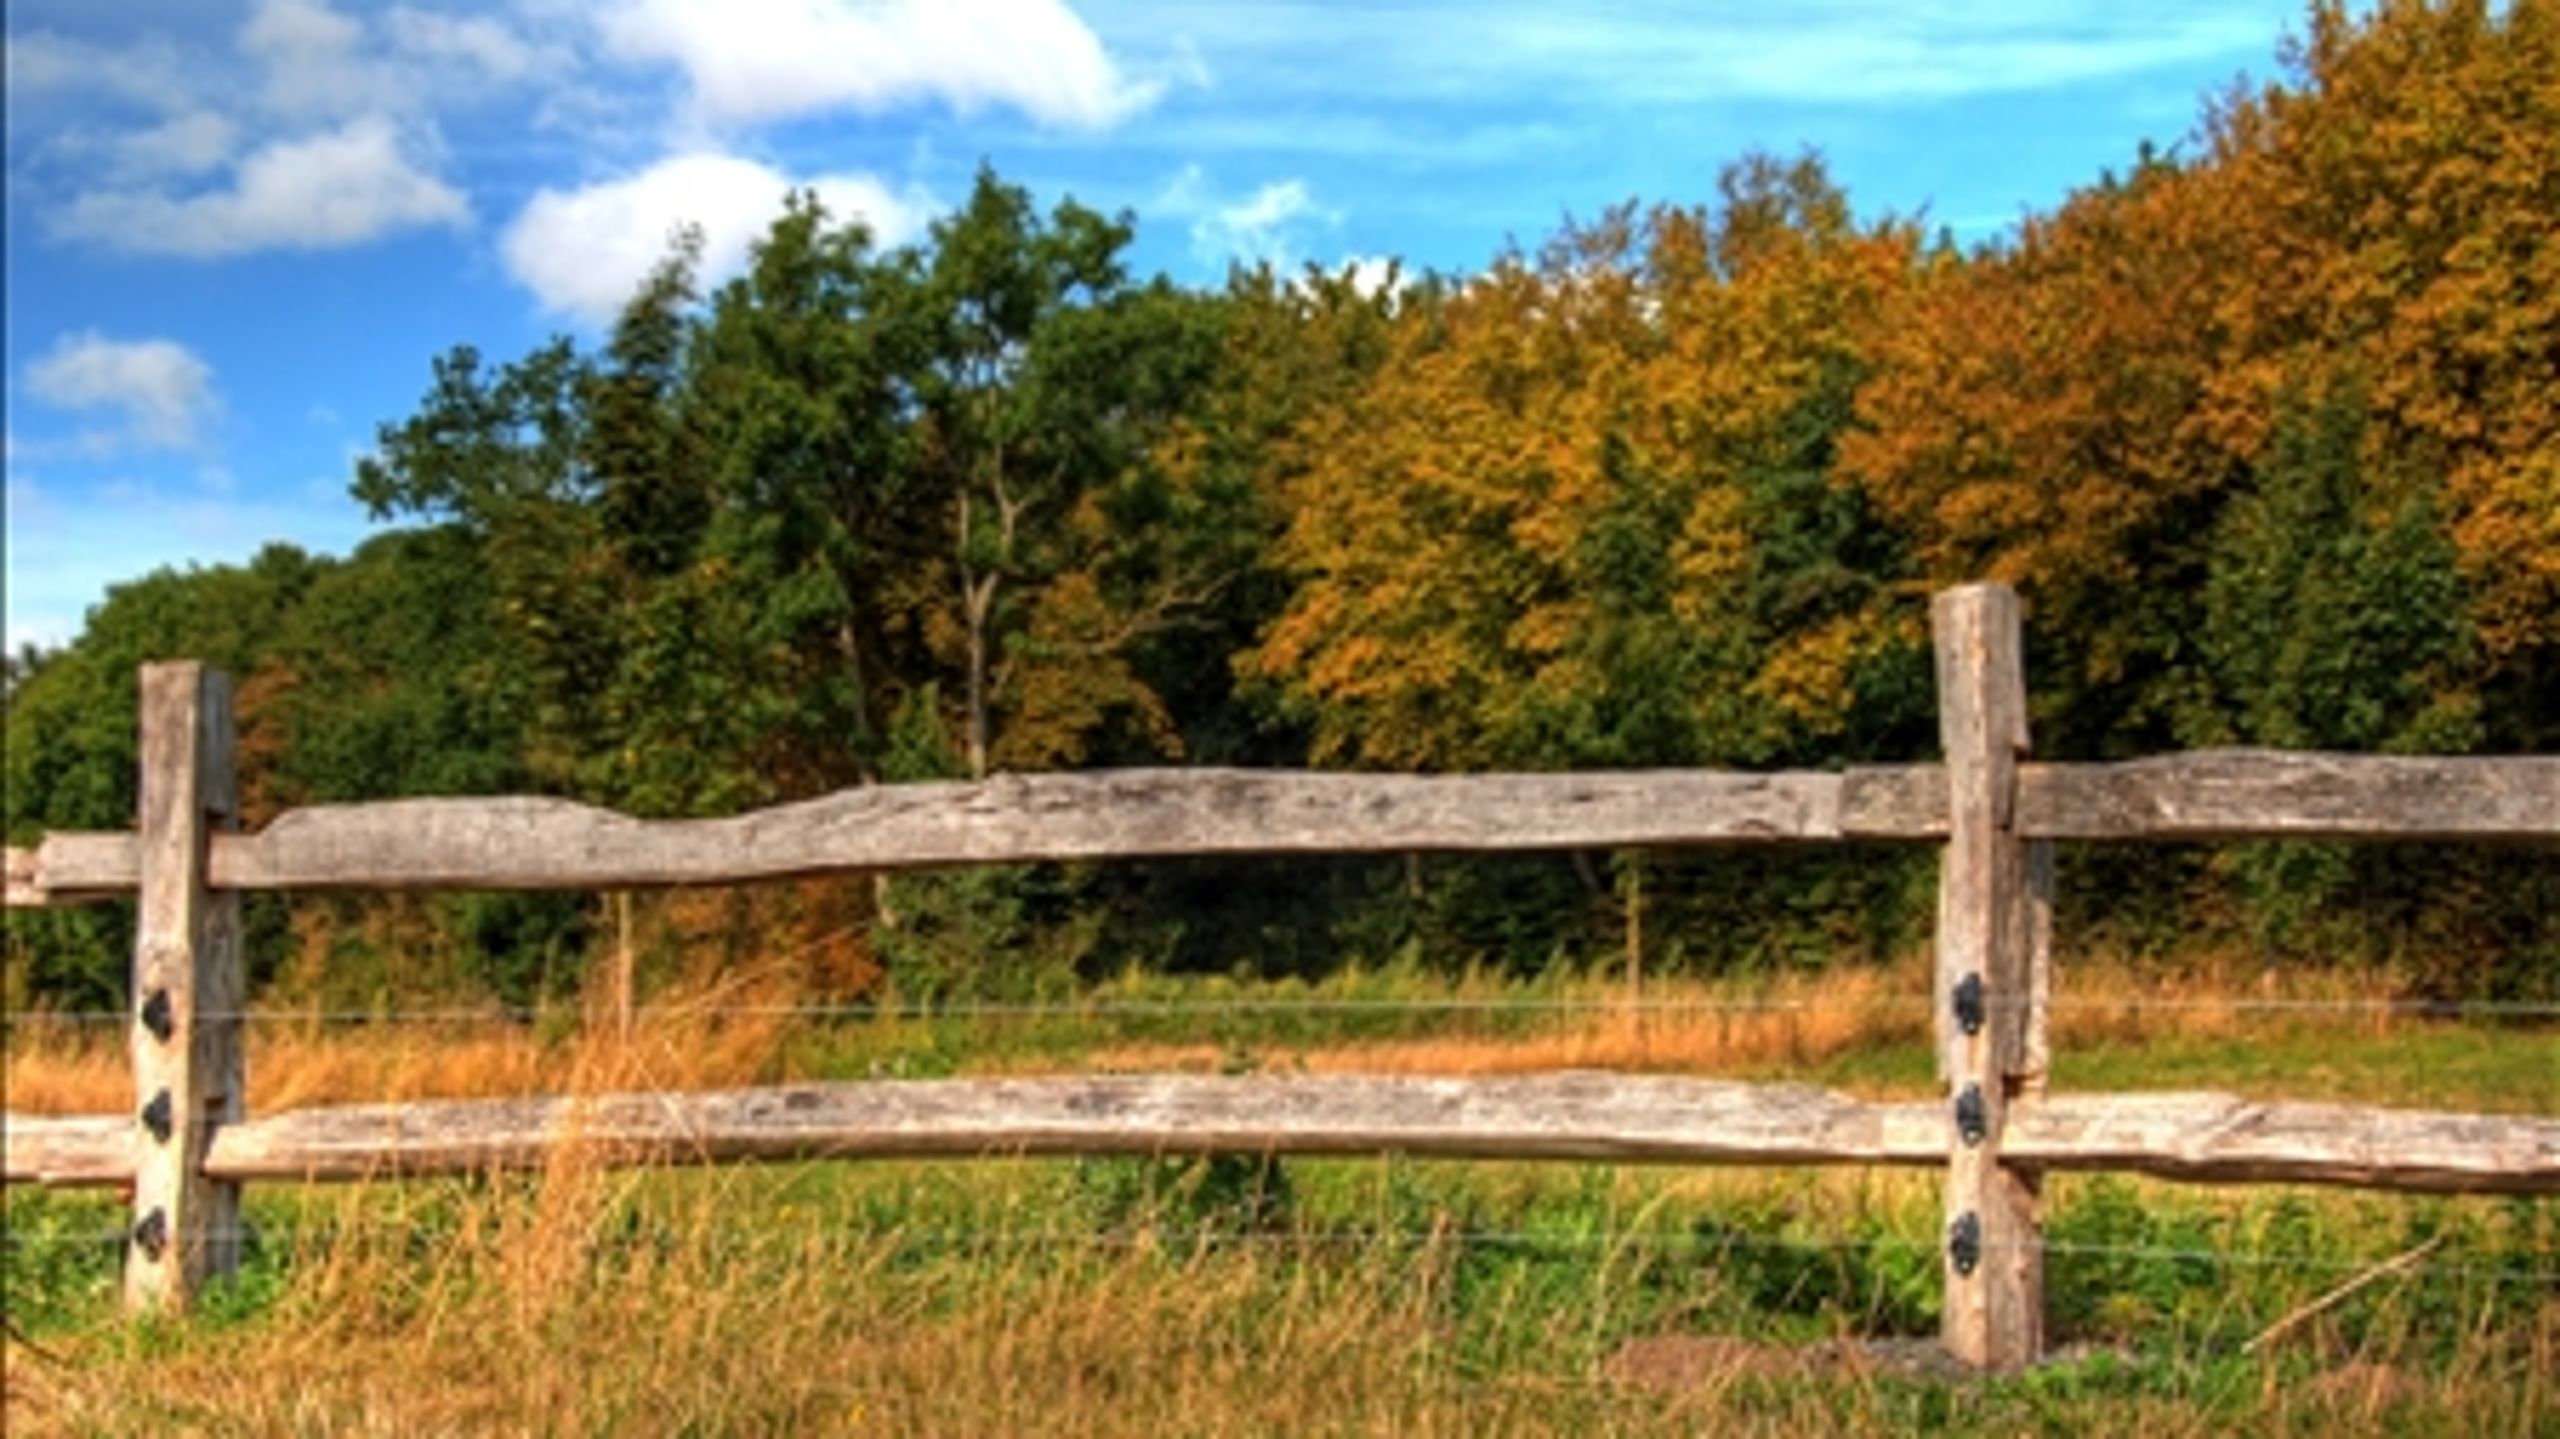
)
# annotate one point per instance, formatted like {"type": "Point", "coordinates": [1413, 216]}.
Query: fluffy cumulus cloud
{"type": "Point", "coordinates": [318, 129]}
{"type": "Point", "coordinates": [342, 186]}
{"type": "Point", "coordinates": [750, 61]}
{"type": "Point", "coordinates": [159, 388]}
{"type": "Point", "coordinates": [584, 252]}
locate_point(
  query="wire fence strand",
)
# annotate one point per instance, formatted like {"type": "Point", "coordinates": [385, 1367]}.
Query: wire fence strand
{"type": "Point", "coordinates": [1706, 1239]}
{"type": "Point", "coordinates": [926, 1012]}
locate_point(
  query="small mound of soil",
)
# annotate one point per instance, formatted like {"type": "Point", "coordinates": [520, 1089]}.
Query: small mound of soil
{"type": "Point", "coordinates": [1695, 1361]}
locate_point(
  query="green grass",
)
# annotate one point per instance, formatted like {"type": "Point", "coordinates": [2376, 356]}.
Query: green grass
{"type": "Point", "coordinates": [2498, 1068]}
{"type": "Point", "coordinates": [2492, 1068]}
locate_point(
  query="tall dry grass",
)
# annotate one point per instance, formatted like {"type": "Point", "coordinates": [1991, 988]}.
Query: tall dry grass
{"type": "Point", "coordinates": [1809, 1018]}
{"type": "Point", "coordinates": [708, 1034]}
{"type": "Point", "coordinates": [580, 1301]}
{"type": "Point", "coordinates": [746, 1028]}
{"type": "Point", "coordinates": [534, 1311]}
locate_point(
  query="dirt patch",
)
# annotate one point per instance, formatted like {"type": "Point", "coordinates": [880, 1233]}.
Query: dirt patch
{"type": "Point", "coordinates": [1700, 1361]}
{"type": "Point", "coordinates": [1690, 1362]}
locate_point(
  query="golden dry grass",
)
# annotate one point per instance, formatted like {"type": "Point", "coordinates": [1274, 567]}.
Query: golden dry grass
{"type": "Point", "coordinates": [742, 1030]}
{"type": "Point", "coordinates": [704, 1036]}
{"type": "Point", "coordinates": [1807, 1019]}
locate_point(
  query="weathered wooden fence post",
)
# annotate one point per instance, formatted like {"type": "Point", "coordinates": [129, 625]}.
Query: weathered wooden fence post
{"type": "Point", "coordinates": [1991, 982]}
{"type": "Point", "coordinates": [189, 985]}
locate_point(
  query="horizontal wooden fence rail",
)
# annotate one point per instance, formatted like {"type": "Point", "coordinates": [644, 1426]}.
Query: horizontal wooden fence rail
{"type": "Point", "coordinates": [518, 843]}
{"type": "Point", "coordinates": [185, 1148]}
{"type": "Point", "coordinates": [1113, 814]}
{"type": "Point", "coordinates": [2204, 1138]}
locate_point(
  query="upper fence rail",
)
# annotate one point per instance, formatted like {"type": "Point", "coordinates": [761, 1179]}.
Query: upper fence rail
{"type": "Point", "coordinates": [531, 843]}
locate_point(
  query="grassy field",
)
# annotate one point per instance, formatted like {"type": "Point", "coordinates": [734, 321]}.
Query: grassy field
{"type": "Point", "coordinates": [1373, 1296]}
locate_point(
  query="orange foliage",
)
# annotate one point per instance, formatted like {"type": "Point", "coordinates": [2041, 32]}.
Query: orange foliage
{"type": "Point", "coordinates": [1445, 519]}
{"type": "Point", "coordinates": [2400, 211]}
{"type": "Point", "coordinates": [2062, 413]}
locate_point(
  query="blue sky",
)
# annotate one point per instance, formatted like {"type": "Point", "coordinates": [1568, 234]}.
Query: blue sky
{"type": "Point", "coordinates": [238, 230]}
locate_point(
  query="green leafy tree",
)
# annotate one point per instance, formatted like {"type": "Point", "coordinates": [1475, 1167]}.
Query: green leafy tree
{"type": "Point", "coordinates": [2337, 619]}
{"type": "Point", "coordinates": [72, 760]}
{"type": "Point", "coordinates": [2336, 613]}
{"type": "Point", "coordinates": [501, 454]}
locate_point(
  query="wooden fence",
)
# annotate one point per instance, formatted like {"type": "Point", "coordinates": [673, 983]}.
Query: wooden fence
{"type": "Point", "coordinates": [187, 1146]}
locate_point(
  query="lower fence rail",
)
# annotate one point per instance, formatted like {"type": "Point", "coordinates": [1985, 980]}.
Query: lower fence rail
{"type": "Point", "coordinates": [1590, 1116]}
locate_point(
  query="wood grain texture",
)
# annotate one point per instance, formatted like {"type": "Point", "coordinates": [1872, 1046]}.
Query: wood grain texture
{"type": "Point", "coordinates": [1592, 1116]}
{"type": "Point", "coordinates": [25, 886]}
{"type": "Point", "coordinates": [532, 843]}
{"type": "Point", "coordinates": [187, 967]}
{"type": "Point", "coordinates": [74, 868]}
{"type": "Point", "coordinates": [1133, 814]}
{"type": "Point", "coordinates": [2271, 794]}
{"type": "Point", "coordinates": [520, 843]}
{"type": "Point", "coordinates": [2032, 1069]}
{"type": "Point", "coordinates": [68, 1151]}
{"type": "Point", "coordinates": [2199, 1138]}
{"type": "Point", "coordinates": [1987, 921]}
{"type": "Point", "coordinates": [2224, 1139]}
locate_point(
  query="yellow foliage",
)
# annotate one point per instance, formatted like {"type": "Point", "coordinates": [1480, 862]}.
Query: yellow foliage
{"type": "Point", "coordinates": [1546, 437]}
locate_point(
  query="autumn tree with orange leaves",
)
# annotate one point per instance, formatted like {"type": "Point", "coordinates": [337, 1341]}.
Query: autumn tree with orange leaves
{"type": "Point", "coordinates": [1583, 514]}
{"type": "Point", "coordinates": [2075, 411]}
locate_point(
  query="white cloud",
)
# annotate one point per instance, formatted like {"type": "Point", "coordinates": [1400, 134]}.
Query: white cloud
{"type": "Point", "coordinates": [749, 61]}
{"type": "Point", "coordinates": [185, 144]}
{"type": "Point", "coordinates": [325, 191]}
{"type": "Point", "coordinates": [1269, 225]}
{"type": "Point", "coordinates": [148, 73]}
{"type": "Point", "coordinates": [320, 64]}
{"type": "Point", "coordinates": [478, 41]}
{"type": "Point", "coordinates": [310, 52]}
{"type": "Point", "coordinates": [1256, 221]}
{"type": "Point", "coordinates": [1370, 274]}
{"type": "Point", "coordinates": [163, 391]}
{"type": "Point", "coordinates": [1828, 51]}
{"type": "Point", "coordinates": [86, 443]}
{"type": "Point", "coordinates": [316, 129]}
{"type": "Point", "coordinates": [1187, 193]}
{"type": "Point", "coordinates": [299, 28]}
{"type": "Point", "coordinates": [584, 252]}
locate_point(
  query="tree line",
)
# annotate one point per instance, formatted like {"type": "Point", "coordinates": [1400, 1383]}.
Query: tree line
{"type": "Point", "coordinates": [2266, 429]}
